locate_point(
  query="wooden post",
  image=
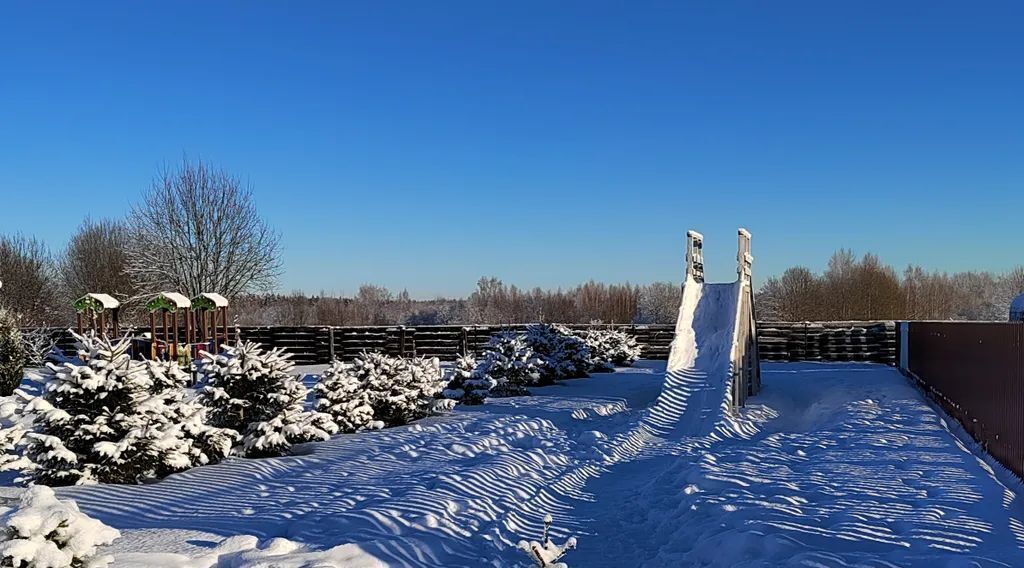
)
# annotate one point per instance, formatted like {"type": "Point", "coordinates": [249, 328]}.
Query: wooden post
{"type": "Point", "coordinates": [695, 256]}
{"type": "Point", "coordinates": [167, 338]}
{"type": "Point", "coordinates": [330, 342]}
{"type": "Point", "coordinates": [152, 335]}
{"type": "Point", "coordinates": [80, 330]}
{"type": "Point", "coordinates": [174, 347]}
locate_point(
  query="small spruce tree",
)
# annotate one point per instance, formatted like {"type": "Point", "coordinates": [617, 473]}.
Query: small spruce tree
{"type": "Point", "coordinates": [565, 355]}
{"type": "Point", "coordinates": [12, 353]}
{"type": "Point", "coordinates": [509, 361]}
{"type": "Point", "coordinates": [342, 393]}
{"type": "Point", "coordinates": [253, 392]}
{"type": "Point", "coordinates": [467, 383]}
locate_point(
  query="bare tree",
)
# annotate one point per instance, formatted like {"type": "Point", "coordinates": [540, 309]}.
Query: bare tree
{"type": "Point", "coordinates": [28, 273]}
{"type": "Point", "coordinates": [96, 260]}
{"type": "Point", "coordinates": [197, 230]}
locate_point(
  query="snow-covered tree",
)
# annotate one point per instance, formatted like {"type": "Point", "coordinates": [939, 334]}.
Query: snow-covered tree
{"type": "Point", "coordinates": [106, 418]}
{"type": "Point", "coordinates": [401, 389]}
{"type": "Point", "coordinates": [253, 392]}
{"type": "Point", "coordinates": [42, 532]}
{"type": "Point", "coordinates": [12, 353]}
{"type": "Point", "coordinates": [565, 355]}
{"type": "Point", "coordinates": [186, 440]}
{"type": "Point", "coordinates": [509, 361]}
{"type": "Point", "coordinates": [468, 383]}
{"type": "Point", "coordinates": [610, 348]}
{"type": "Point", "coordinates": [342, 392]}
{"type": "Point", "coordinates": [546, 554]}
{"type": "Point", "coordinates": [93, 421]}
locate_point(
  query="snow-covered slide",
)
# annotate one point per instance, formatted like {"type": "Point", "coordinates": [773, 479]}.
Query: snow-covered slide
{"type": "Point", "coordinates": [712, 364]}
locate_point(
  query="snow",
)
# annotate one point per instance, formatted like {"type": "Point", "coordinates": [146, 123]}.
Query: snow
{"type": "Point", "coordinates": [179, 300]}
{"type": "Point", "coordinates": [218, 300]}
{"type": "Point", "coordinates": [42, 532]}
{"type": "Point", "coordinates": [840, 464]}
{"type": "Point", "coordinates": [832, 465]}
{"type": "Point", "coordinates": [107, 301]}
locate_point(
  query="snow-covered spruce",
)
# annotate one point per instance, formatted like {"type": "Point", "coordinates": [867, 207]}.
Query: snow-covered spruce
{"type": "Point", "coordinates": [187, 440]}
{"type": "Point", "coordinates": [610, 348]}
{"type": "Point", "coordinates": [467, 383]}
{"type": "Point", "coordinates": [102, 418]}
{"type": "Point", "coordinates": [254, 393]}
{"type": "Point", "coordinates": [511, 364]}
{"type": "Point", "coordinates": [12, 353]}
{"type": "Point", "coordinates": [42, 532]}
{"type": "Point", "coordinates": [546, 554]}
{"type": "Point", "coordinates": [342, 392]}
{"type": "Point", "coordinates": [401, 389]}
{"type": "Point", "coordinates": [565, 355]}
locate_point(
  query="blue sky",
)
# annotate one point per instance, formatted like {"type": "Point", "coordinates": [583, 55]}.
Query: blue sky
{"type": "Point", "coordinates": [422, 145]}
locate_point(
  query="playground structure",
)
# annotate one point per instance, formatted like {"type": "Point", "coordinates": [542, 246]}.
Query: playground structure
{"type": "Point", "coordinates": [171, 306]}
{"type": "Point", "coordinates": [209, 321]}
{"type": "Point", "coordinates": [97, 312]}
{"type": "Point", "coordinates": [179, 328]}
{"type": "Point", "coordinates": [714, 357]}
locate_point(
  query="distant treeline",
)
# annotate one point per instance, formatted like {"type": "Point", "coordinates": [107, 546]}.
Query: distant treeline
{"type": "Point", "coordinates": [493, 302]}
{"type": "Point", "coordinates": [39, 286]}
{"type": "Point", "coordinates": [865, 289]}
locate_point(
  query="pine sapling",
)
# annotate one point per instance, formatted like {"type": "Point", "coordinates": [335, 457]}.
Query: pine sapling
{"type": "Point", "coordinates": [546, 554]}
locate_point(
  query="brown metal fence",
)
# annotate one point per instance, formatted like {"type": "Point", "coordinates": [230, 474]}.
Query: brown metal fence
{"type": "Point", "coordinates": [976, 372]}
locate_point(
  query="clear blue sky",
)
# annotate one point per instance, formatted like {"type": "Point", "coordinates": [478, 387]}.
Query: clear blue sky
{"type": "Point", "coordinates": [424, 144]}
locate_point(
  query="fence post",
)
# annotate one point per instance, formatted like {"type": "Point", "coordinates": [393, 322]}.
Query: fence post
{"type": "Point", "coordinates": [330, 342]}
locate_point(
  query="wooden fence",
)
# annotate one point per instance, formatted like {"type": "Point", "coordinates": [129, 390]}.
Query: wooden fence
{"type": "Point", "coordinates": [777, 341]}
{"type": "Point", "coordinates": [874, 342]}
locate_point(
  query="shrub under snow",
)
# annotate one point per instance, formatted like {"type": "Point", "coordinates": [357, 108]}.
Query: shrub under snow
{"type": "Point", "coordinates": [546, 554]}
{"type": "Point", "coordinates": [468, 383]}
{"type": "Point", "coordinates": [12, 353]}
{"type": "Point", "coordinates": [342, 392]}
{"type": "Point", "coordinates": [565, 355]}
{"type": "Point", "coordinates": [253, 392]}
{"type": "Point", "coordinates": [42, 532]}
{"type": "Point", "coordinates": [106, 418]}
{"type": "Point", "coordinates": [511, 364]}
{"type": "Point", "coordinates": [400, 389]}
{"type": "Point", "coordinates": [610, 348]}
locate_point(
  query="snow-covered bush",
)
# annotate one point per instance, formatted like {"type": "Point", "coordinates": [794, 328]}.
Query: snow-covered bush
{"type": "Point", "coordinates": [610, 348]}
{"type": "Point", "coordinates": [100, 418]}
{"type": "Point", "coordinates": [511, 364]}
{"type": "Point", "coordinates": [253, 392]}
{"type": "Point", "coordinates": [400, 389]}
{"type": "Point", "coordinates": [546, 554]}
{"type": "Point", "coordinates": [39, 345]}
{"type": "Point", "coordinates": [467, 383]}
{"type": "Point", "coordinates": [12, 353]}
{"type": "Point", "coordinates": [565, 355]}
{"type": "Point", "coordinates": [187, 440]}
{"type": "Point", "coordinates": [42, 532]}
{"type": "Point", "coordinates": [342, 392]}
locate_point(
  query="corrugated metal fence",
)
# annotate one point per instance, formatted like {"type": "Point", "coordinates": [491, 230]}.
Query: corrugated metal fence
{"type": "Point", "coordinates": [976, 372]}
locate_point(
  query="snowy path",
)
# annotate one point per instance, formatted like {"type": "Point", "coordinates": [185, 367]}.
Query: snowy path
{"type": "Point", "coordinates": [835, 465]}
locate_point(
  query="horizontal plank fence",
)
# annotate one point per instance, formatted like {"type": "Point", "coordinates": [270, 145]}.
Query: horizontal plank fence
{"type": "Point", "coordinates": [975, 371]}
{"type": "Point", "coordinates": [777, 341]}
{"type": "Point", "coordinates": [874, 342]}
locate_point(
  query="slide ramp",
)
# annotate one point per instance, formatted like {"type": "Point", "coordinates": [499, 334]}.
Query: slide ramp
{"type": "Point", "coordinates": [711, 362]}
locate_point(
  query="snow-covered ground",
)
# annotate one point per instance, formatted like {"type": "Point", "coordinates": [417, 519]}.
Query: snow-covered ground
{"type": "Point", "coordinates": [832, 465]}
